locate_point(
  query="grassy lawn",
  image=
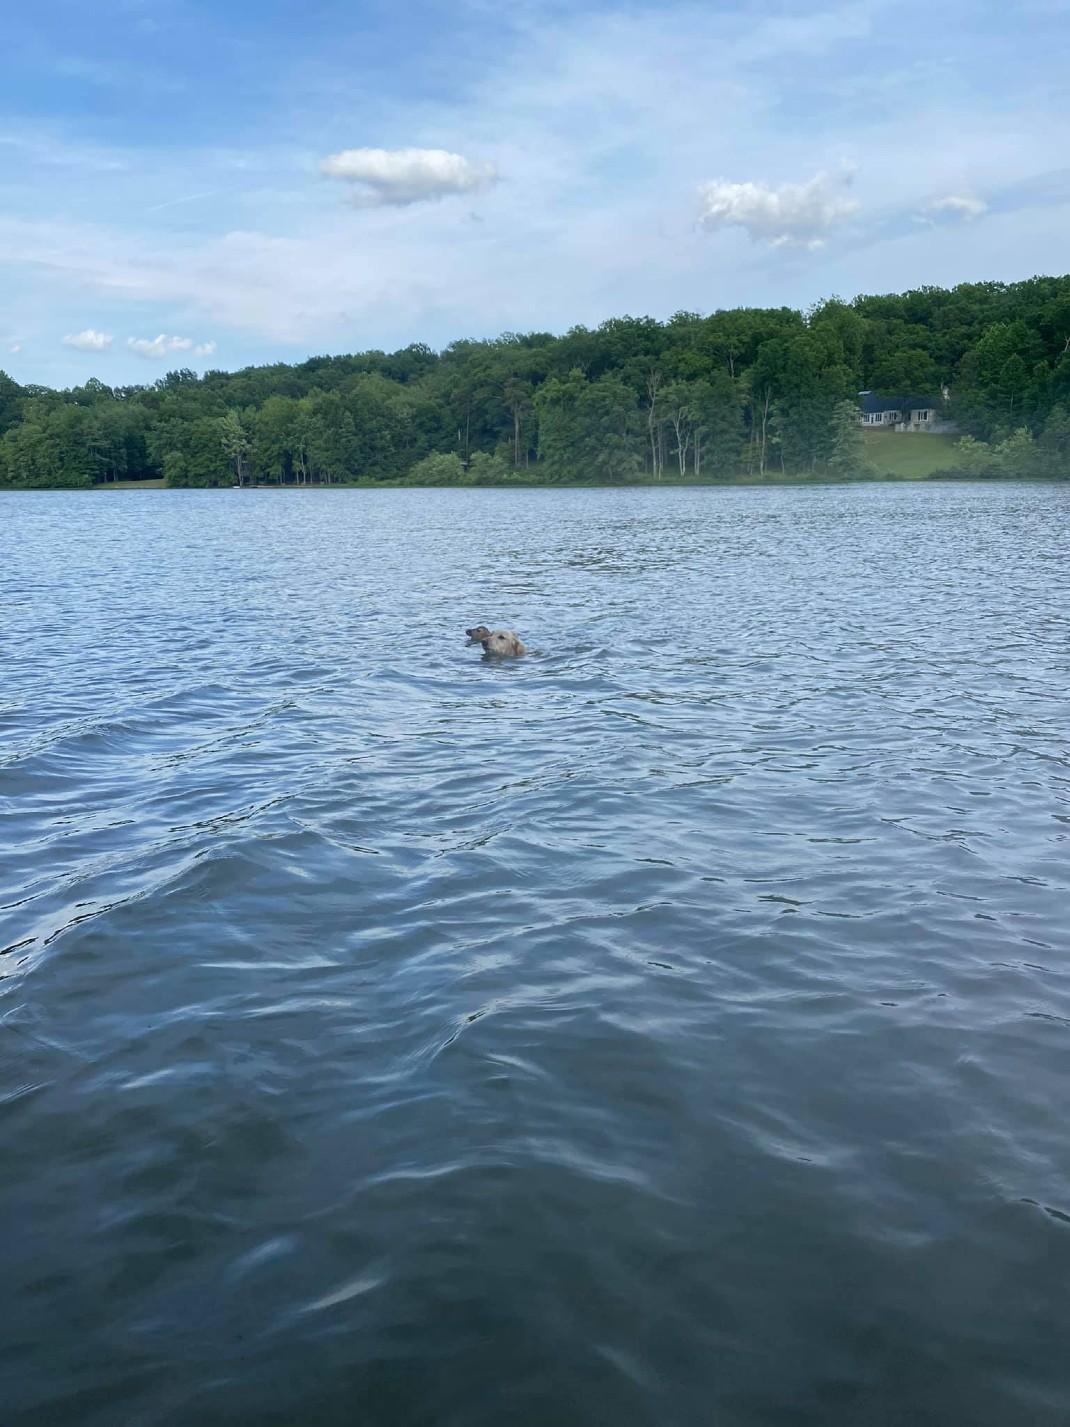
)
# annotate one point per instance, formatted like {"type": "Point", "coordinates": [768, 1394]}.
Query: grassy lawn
{"type": "Point", "coordinates": [909, 455]}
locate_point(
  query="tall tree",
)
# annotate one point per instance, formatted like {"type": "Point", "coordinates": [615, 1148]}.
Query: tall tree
{"type": "Point", "coordinates": [234, 439]}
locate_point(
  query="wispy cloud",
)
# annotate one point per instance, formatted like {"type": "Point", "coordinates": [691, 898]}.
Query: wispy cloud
{"type": "Point", "coordinates": [791, 215]}
{"type": "Point", "coordinates": [88, 341]}
{"type": "Point", "coordinates": [158, 349]}
{"type": "Point", "coordinates": [46, 149]}
{"type": "Point", "coordinates": [180, 202]}
{"type": "Point", "coordinates": [399, 177]}
{"type": "Point", "coordinates": [957, 205]}
{"type": "Point", "coordinates": [582, 135]}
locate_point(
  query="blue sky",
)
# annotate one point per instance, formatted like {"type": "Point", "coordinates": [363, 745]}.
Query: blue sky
{"type": "Point", "coordinates": [218, 182]}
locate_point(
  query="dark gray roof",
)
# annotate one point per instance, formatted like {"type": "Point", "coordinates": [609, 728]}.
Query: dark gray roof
{"type": "Point", "coordinates": [871, 403]}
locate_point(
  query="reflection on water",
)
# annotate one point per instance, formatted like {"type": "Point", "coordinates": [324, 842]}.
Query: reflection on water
{"type": "Point", "coordinates": [668, 1027]}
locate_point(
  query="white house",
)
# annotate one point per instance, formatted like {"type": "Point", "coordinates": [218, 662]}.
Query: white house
{"type": "Point", "coordinates": [901, 413]}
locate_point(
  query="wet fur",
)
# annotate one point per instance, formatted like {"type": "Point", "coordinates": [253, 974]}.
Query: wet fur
{"type": "Point", "coordinates": [496, 641]}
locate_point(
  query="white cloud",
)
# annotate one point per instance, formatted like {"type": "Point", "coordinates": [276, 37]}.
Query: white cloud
{"type": "Point", "coordinates": [398, 177]}
{"type": "Point", "coordinates": [157, 348]}
{"type": "Point", "coordinates": [15, 348]}
{"type": "Point", "coordinates": [793, 215]}
{"type": "Point", "coordinates": [957, 205]}
{"type": "Point", "coordinates": [88, 341]}
{"type": "Point", "coordinates": [607, 120]}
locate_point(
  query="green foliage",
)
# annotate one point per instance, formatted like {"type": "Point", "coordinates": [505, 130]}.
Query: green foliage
{"type": "Point", "coordinates": [1017, 455]}
{"type": "Point", "coordinates": [10, 403]}
{"type": "Point", "coordinates": [975, 458]}
{"type": "Point", "coordinates": [847, 445]}
{"type": "Point", "coordinates": [489, 470]}
{"type": "Point", "coordinates": [439, 469]}
{"type": "Point", "coordinates": [1054, 444]}
{"type": "Point", "coordinates": [188, 452]}
{"type": "Point", "coordinates": [749, 390]}
{"type": "Point", "coordinates": [1020, 454]}
{"type": "Point", "coordinates": [905, 370]}
{"type": "Point", "coordinates": [717, 414]}
{"type": "Point", "coordinates": [234, 439]}
{"type": "Point", "coordinates": [53, 445]}
{"type": "Point", "coordinates": [588, 430]}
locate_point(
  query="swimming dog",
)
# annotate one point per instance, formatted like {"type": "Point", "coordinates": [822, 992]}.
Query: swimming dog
{"type": "Point", "coordinates": [496, 641]}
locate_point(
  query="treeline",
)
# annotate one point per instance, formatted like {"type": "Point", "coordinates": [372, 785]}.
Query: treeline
{"type": "Point", "coordinates": [747, 391]}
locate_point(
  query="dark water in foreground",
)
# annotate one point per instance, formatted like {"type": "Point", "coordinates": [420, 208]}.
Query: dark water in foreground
{"type": "Point", "coordinates": [672, 1027]}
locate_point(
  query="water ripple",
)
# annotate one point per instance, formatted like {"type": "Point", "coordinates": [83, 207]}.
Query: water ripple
{"type": "Point", "coordinates": [665, 1028]}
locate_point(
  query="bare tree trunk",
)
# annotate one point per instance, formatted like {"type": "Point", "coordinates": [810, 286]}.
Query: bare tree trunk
{"type": "Point", "coordinates": [679, 420]}
{"type": "Point", "coordinates": [765, 433]}
{"type": "Point", "coordinates": [653, 381]}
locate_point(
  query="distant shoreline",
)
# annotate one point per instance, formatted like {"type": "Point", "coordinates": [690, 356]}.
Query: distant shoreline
{"type": "Point", "coordinates": [935, 383]}
{"type": "Point", "coordinates": [723, 483]}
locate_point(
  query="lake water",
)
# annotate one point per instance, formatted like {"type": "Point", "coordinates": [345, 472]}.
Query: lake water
{"type": "Point", "coordinates": [671, 1027]}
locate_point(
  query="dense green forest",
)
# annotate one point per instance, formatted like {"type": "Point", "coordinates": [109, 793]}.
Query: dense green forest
{"type": "Point", "coordinates": [744, 392]}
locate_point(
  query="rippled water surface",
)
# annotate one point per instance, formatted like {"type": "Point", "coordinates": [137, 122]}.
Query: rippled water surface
{"type": "Point", "coordinates": [670, 1027]}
